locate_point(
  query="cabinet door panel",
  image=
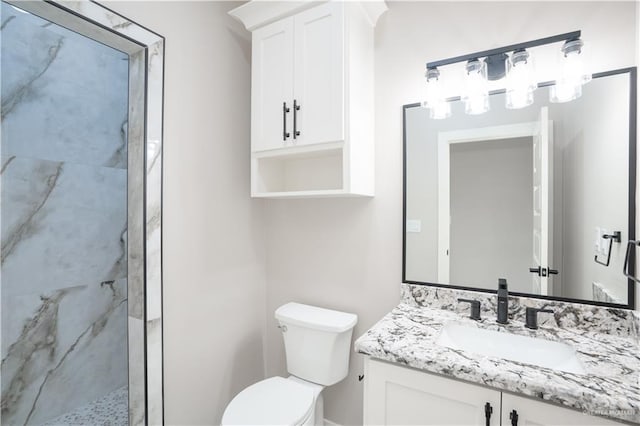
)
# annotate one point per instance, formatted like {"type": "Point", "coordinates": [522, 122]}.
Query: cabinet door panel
{"type": "Point", "coordinates": [535, 413]}
{"type": "Point", "coordinates": [319, 72]}
{"type": "Point", "coordinates": [402, 396]}
{"type": "Point", "coordinates": [272, 84]}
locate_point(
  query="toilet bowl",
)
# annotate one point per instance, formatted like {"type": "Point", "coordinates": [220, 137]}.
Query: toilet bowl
{"type": "Point", "coordinates": [317, 346]}
{"type": "Point", "coordinates": [276, 401]}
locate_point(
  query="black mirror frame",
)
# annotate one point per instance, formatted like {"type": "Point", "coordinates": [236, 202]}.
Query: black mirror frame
{"type": "Point", "coordinates": [632, 71]}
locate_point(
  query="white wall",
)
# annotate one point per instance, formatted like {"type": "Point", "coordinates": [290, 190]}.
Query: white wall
{"type": "Point", "coordinates": [214, 278]}
{"type": "Point", "coordinates": [346, 254]}
{"type": "Point", "coordinates": [492, 213]}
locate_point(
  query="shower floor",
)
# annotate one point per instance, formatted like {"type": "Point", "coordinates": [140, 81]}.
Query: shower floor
{"type": "Point", "coordinates": [110, 410]}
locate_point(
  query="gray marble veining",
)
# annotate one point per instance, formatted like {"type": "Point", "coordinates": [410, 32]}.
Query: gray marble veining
{"type": "Point", "coordinates": [604, 339]}
{"type": "Point", "coordinates": [566, 315]}
{"type": "Point", "coordinates": [68, 353]}
{"type": "Point", "coordinates": [64, 219]}
{"type": "Point", "coordinates": [603, 294]}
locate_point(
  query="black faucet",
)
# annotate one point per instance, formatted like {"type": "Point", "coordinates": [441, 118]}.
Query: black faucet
{"type": "Point", "coordinates": [503, 301]}
{"type": "Point", "coordinates": [531, 315]}
{"type": "Point", "coordinates": [475, 308]}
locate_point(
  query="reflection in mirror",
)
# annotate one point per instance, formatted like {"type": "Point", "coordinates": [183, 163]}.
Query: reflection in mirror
{"type": "Point", "coordinates": [535, 195]}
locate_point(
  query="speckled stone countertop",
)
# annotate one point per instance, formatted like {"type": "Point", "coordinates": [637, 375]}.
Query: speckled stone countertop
{"type": "Point", "coordinates": [605, 340]}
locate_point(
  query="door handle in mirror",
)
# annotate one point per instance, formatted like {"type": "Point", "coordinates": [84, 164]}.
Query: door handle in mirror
{"type": "Point", "coordinates": [542, 272]}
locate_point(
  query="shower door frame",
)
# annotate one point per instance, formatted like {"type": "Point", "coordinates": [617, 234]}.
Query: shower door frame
{"type": "Point", "coordinates": [145, 49]}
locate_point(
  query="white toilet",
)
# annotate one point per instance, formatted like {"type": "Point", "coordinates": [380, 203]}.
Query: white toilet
{"type": "Point", "coordinates": [317, 342]}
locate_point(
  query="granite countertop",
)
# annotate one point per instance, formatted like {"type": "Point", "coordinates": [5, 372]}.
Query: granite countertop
{"type": "Point", "coordinates": [608, 350]}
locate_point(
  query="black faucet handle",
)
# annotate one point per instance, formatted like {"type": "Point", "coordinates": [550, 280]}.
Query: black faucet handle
{"type": "Point", "coordinates": [531, 316]}
{"type": "Point", "coordinates": [475, 308]}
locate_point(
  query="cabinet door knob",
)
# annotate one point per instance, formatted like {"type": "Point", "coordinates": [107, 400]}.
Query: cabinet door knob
{"type": "Point", "coordinates": [296, 108]}
{"type": "Point", "coordinates": [488, 409]}
{"type": "Point", "coordinates": [514, 418]}
{"type": "Point", "coordinates": [285, 110]}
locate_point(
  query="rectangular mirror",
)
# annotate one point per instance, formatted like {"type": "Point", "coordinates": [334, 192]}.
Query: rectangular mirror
{"type": "Point", "coordinates": [543, 196]}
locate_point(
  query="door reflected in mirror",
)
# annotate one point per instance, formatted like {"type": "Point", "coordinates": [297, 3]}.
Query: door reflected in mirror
{"type": "Point", "coordinates": [531, 195]}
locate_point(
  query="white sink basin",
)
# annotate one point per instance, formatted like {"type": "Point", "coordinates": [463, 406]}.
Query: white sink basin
{"type": "Point", "coordinates": [527, 350]}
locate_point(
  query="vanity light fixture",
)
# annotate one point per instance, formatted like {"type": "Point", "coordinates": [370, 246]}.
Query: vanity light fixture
{"type": "Point", "coordinates": [514, 65]}
{"type": "Point", "coordinates": [438, 106]}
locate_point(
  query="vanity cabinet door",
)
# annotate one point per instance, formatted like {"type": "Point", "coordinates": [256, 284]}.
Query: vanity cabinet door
{"type": "Point", "coordinates": [272, 86]}
{"type": "Point", "coordinates": [402, 396]}
{"type": "Point", "coordinates": [535, 413]}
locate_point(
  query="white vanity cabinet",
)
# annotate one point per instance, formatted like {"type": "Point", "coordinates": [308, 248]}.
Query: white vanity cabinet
{"type": "Point", "coordinates": [395, 395]}
{"type": "Point", "coordinates": [312, 113]}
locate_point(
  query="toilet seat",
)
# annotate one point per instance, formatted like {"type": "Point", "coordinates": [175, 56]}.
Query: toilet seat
{"type": "Point", "coordinates": [273, 401]}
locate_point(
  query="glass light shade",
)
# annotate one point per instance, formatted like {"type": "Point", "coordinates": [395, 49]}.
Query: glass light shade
{"type": "Point", "coordinates": [564, 92]}
{"type": "Point", "coordinates": [573, 74]}
{"type": "Point", "coordinates": [435, 100]}
{"type": "Point", "coordinates": [520, 82]}
{"type": "Point", "coordinates": [476, 94]}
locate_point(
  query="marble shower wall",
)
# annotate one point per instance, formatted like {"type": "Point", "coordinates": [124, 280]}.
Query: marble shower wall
{"type": "Point", "coordinates": [63, 219]}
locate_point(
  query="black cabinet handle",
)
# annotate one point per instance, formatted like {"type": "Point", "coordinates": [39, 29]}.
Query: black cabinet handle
{"type": "Point", "coordinates": [514, 418]}
{"type": "Point", "coordinates": [296, 108]}
{"type": "Point", "coordinates": [487, 413]}
{"type": "Point", "coordinates": [285, 110]}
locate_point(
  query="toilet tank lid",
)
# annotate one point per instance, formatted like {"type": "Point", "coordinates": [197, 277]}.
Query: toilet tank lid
{"type": "Point", "coordinates": [316, 318]}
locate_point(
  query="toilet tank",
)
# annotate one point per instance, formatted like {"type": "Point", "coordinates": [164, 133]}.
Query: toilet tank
{"type": "Point", "coordinates": [317, 342]}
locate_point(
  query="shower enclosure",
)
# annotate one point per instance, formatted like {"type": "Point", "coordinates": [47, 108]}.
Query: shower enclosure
{"type": "Point", "coordinates": [80, 216]}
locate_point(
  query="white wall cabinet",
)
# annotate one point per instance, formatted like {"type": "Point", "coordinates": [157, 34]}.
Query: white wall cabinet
{"type": "Point", "coordinates": [312, 113]}
{"type": "Point", "coordinates": [396, 395]}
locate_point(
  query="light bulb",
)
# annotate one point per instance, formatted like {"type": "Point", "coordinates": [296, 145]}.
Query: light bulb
{"type": "Point", "coordinates": [439, 107]}
{"type": "Point", "coordinates": [476, 95]}
{"type": "Point", "coordinates": [572, 75]}
{"type": "Point", "coordinates": [520, 82]}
